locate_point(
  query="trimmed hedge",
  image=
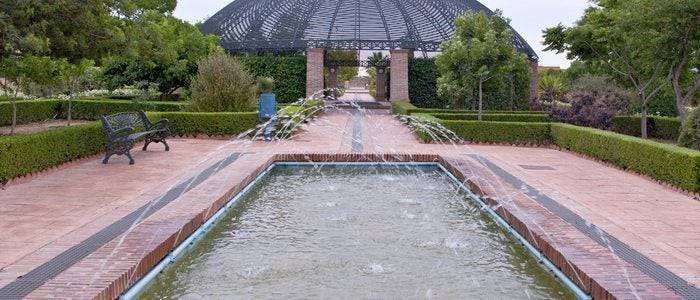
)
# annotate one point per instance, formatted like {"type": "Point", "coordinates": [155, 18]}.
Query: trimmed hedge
{"type": "Point", "coordinates": [28, 111]}
{"type": "Point", "coordinates": [402, 107]}
{"type": "Point", "coordinates": [458, 111]}
{"type": "Point", "coordinates": [496, 117]}
{"type": "Point", "coordinates": [667, 163]}
{"type": "Point", "coordinates": [288, 70]}
{"type": "Point", "coordinates": [664, 128]}
{"type": "Point", "coordinates": [422, 83]}
{"type": "Point", "coordinates": [30, 153]}
{"type": "Point", "coordinates": [211, 124]}
{"type": "Point", "coordinates": [501, 132]}
{"type": "Point", "coordinates": [94, 109]}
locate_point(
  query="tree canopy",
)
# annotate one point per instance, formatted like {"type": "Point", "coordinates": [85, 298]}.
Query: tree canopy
{"type": "Point", "coordinates": [479, 58]}
{"type": "Point", "coordinates": [647, 44]}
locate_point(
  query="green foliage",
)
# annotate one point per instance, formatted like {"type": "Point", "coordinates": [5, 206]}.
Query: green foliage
{"type": "Point", "coordinates": [345, 73]}
{"type": "Point", "coordinates": [413, 111]}
{"type": "Point", "coordinates": [664, 128]}
{"type": "Point", "coordinates": [501, 132]}
{"type": "Point", "coordinates": [265, 85]}
{"type": "Point", "coordinates": [223, 84]}
{"type": "Point", "coordinates": [28, 111]}
{"type": "Point", "coordinates": [476, 63]}
{"type": "Point", "coordinates": [210, 124]}
{"type": "Point", "coordinates": [690, 134]}
{"type": "Point", "coordinates": [552, 86]}
{"type": "Point", "coordinates": [667, 163]}
{"type": "Point", "coordinates": [638, 42]}
{"type": "Point", "coordinates": [289, 72]}
{"type": "Point", "coordinates": [94, 109]}
{"type": "Point", "coordinates": [422, 84]}
{"type": "Point", "coordinates": [401, 107]}
{"type": "Point", "coordinates": [29, 153]}
{"type": "Point", "coordinates": [525, 118]}
{"type": "Point", "coordinates": [164, 53]}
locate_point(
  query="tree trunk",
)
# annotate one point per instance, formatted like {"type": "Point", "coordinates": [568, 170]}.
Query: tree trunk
{"type": "Point", "coordinates": [645, 133]}
{"type": "Point", "coordinates": [14, 114]}
{"type": "Point", "coordinates": [70, 109]}
{"type": "Point", "coordinates": [481, 98]}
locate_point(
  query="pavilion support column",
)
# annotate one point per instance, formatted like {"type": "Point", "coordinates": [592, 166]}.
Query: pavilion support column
{"type": "Point", "coordinates": [534, 84]}
{"type": "Point", "coordinates": [398, 87]}
{"type": "Point", "coordinates": [314, 70]}
{"type": "Point", "coordinates": [381, 83]}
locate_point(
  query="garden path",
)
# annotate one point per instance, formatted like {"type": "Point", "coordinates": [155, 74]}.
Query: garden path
{"type": "Point", "coordinates": [59, 209]}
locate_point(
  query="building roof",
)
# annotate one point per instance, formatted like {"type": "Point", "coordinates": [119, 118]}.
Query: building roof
{"type": "Point", "coordinates": [421, 25]}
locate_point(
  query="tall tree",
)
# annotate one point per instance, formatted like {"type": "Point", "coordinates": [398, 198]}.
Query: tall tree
{"type": "Point", "coordinates": [608, 34]}
{"type": "Point", "coordinates": [648, 35]}
{"type": "Point", "coordinates": [164, 51]}
{"type": "Point", "coordinates": [480, 50]}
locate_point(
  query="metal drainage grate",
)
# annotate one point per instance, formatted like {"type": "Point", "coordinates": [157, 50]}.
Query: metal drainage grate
{"type": "Point", "coordinates": [26, 284]}
{"type": "Point", "coordinates": [537, 168]}
{"type": "Point", "coordinates": [624, 251]}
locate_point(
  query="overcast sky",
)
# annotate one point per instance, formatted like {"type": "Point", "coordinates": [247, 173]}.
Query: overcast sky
{"type": "Point", "coordinates": [529, 18]}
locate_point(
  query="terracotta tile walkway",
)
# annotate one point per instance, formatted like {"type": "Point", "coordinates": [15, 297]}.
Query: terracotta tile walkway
{"type": "Point", "coordinates": [56, 210]}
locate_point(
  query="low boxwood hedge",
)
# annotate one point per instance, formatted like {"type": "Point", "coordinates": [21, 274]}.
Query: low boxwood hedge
{"type": "Point", "coordinates": [537, 118]}
{"type": "Point", "coordinates": [501, 132]}
{"type": "Point", "coordinates": [94, 109]}
{"type": "Point", "coordinates": [28, 111]}
{"type": "Point", "coordinates": [457, 111]}
{"type": "Point", "coordinates": [402, 107]}
{"type": "Point", "coordinates": [664, 128]}
{"type": "Point", "coordinates": [29, 153]}
{"type": "Point", "coordinates": [211, 124]}
{"type": "Point", "coordinates": [675, 165]}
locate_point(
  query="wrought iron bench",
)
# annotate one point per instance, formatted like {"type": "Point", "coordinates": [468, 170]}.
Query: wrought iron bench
{"type": "Point", "coordinates": [123, 130]}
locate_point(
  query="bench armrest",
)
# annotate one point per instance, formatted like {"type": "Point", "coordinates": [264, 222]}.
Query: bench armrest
{"type": "Point", "coordinates": [163, 124]}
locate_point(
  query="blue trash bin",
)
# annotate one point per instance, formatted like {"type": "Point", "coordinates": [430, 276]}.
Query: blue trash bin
{"type": "Point", "coordinates": [267, 110]}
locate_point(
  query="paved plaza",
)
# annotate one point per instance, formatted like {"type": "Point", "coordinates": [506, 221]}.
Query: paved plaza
{"type": "Point", "coordinates": [617, 234]}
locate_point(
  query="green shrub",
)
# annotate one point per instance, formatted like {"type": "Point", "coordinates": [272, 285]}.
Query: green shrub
{"type": "Point", "coordinates": [29, 111]}
{"type": "Point", "coordinates": [664, 128]}
{"type": "Point", "coordinates": [422, 83]}
{"type": "Point", "coordinates": [458, 111]}
{"type": "Point", "coordinates": [401, 107]}
{"type": "Point", "coordinates": [289, 72]}
{"type": "Point", "coordinates": [211, 124]}
{"type": "Point", "coordinates": [667, 163]}
{"type": "Point", "coordinates": [537, 118]}
{"type": "Point", "coordinates": [223, 85]}
{"type": "Point", "coordinates": [501, 132]}
{"type": "Point", "coordinates": [29, 153]}
{"type": "Point", "coordinates": [94, 109]}
{"type": "Point", "coordinates": [690, 137]}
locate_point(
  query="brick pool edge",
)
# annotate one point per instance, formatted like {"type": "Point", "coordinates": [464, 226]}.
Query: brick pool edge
{"type": "Point", "coordinates": [116, 280]}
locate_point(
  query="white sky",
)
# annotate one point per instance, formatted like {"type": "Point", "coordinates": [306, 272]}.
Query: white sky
{"type": "Point", "coordinates": [529, 18]}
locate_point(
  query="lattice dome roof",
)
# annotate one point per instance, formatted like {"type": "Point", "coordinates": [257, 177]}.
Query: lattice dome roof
{"type": "Point", "coordinates": [421, 25]}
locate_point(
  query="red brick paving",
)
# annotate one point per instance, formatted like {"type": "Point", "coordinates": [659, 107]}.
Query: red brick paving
{"type": "Point", "coordinates": [50, 213]}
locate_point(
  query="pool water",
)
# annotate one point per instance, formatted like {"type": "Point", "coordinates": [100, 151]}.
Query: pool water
{"type": "Point", "coordinates": [348, 232]}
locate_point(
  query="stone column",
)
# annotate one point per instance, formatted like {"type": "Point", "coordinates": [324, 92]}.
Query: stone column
{"type": "Point", "coordinates": [381, 83]}
{"type": "Point", "coordinates": [398, 89]}
{"type": "Point", "coordinates": [332, 77]}
{"type": "Point", "coordinates": [314, 70]}
{"type": "Point", "coordinates": [534, 83]}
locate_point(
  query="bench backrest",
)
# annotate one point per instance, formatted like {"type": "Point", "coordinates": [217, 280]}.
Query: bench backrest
{"type": "Point", "coordinates": [119, 121]}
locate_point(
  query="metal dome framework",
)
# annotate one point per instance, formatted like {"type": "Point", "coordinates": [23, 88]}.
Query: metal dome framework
{"type": "Point", "coordinates": [277, 25]}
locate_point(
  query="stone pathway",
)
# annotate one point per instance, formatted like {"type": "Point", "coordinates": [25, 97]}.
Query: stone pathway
{"type": "Point", "coordinates": [55, 211]}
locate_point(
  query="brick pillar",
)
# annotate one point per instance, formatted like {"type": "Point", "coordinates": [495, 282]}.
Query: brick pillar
{"type": "Point", "coordinates": [381, 83]}
{"type": "Point", "coordinates": [534, 83]}
{"type": "Point", "coordinates": [314, 70]}
{"type": "Point", "coordinates": [398, 89]}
